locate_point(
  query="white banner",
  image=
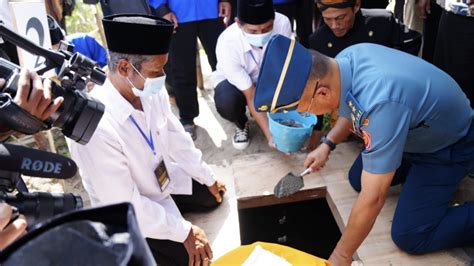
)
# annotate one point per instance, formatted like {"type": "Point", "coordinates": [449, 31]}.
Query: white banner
{"type": "Point", "coordinates": [30, 21]}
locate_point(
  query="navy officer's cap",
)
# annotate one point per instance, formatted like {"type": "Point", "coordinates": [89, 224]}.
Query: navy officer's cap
{"type": "Point", "coordinates": [283, 75]}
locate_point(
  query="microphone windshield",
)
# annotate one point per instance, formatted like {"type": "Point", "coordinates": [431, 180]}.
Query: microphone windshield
{"type": "Point", "coordinates": [35, 163]}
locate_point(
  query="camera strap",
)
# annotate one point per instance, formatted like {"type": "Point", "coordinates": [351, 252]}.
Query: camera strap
{"type": "Point", "coordinates": [17, 119]}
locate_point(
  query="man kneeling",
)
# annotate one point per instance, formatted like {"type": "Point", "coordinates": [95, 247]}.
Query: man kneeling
{"type": "Point", "coordinates": [140, 152]}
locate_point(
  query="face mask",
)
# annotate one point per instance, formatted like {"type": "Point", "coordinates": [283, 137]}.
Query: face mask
{"type": "Point", "coordinates": [152, 85]}
{"type": "Point", "coordinates": [258, 40]}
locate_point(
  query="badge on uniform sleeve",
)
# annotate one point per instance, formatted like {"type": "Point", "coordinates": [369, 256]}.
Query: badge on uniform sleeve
{"type": "Point", "coordinates": [358, 114]}
{"type": "Point", "coordinates": [367, 137]}
{"type": "Point", "coordinates": [162, 176]}
{"type": "Point", "coordinates": [366, 122]}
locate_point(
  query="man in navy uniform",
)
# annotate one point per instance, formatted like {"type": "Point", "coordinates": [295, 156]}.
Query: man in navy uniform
{"type": "Point", "coordinates": [417, 126]}
{"type": "Point", "coordinates": [345, 24]}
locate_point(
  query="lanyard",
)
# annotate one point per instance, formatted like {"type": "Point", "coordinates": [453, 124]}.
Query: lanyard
{"type": "Point", "coordinates": [149, 140]}
{"type": "Point", "coordinates": [253, 57]}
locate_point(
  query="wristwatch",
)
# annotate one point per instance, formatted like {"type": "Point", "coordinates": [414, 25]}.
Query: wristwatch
{"type": "Point", "coordinates": [328, 142]}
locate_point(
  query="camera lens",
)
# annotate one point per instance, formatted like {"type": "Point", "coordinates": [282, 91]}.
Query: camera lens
{"type": "Point", "coordinates": [39, 206]}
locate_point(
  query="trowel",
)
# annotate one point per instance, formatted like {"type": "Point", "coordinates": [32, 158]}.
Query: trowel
{"type": "Point", "coordinates": [290, 184]}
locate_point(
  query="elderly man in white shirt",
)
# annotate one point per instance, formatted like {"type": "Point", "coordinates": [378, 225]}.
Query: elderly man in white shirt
{"type": "Point", "coordinates": [140, 152]}
{"type": "Point", "coordinates": [239, 54]}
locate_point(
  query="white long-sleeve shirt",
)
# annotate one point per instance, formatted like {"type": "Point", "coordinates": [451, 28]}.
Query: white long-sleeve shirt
{"type": "Point", "coordinates": [118, 164]}
{"type": "Point", "coordinates": [237, 60]}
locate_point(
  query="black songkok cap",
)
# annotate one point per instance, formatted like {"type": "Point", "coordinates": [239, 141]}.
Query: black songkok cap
{"type": "Point", "coordinates": [255, 12]}
{"type": "Point", "coordinates": [55, 31]}
{"type": "Point", "coordinates": [137, 34]}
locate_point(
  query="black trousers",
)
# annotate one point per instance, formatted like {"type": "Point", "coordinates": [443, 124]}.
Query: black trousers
{"type": "Point", "coordinates": [231, 103]}
{"type": "Point", "coordinates": [167, 252]}
{"type": "Point", "coordinates": [182, 58]}
{"type": "Point", "coordinates": [430, 31]}
{"type": "Point", "coordinates": [454, 51]}
{"type": "Point", "coordinates": [301, 12]}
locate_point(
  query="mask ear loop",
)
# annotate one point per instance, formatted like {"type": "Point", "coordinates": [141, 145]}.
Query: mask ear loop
{"type": "Point", "coordinates": [140, 74]}
{"type": "Point", "coordinates": [129, 81]}
{"type": "Point", "coordinates": [312, 97]}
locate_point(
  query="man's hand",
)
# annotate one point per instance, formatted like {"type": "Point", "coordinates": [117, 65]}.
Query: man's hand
{"type": "Point", "coordinates": [36, 99]}
{"type": "Point", "coordinates": [260, 118]}
{"type": "Point", "coordinates": [271, 144]}
{"type": "Point", "coordinates": [225, 9]}
{"type": "Point", "coordinates": [172, 17]}
{"type": "Point", "coordinates": [337, 259]}
{"type": "Point", "coordinates": [217, 189]}
{"type": "Point", "coordinates": [423, 8]}
{"type": "Point", "coordinates": [317, 159]}
{"type": "Point", "coordinates": [10, 232]}
{"type": "Point", "coordinates": [198, 247]}
{"type": "Point", "coordinates": [363, 215]}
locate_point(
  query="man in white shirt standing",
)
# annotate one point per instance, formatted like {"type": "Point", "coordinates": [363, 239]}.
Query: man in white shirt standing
{"type": "Point", "coordinates": [140, 152]}
{"type": "Point", "coordinates": [239, 54]}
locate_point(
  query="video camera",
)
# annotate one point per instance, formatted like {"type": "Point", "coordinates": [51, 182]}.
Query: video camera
{"type": "Point", "coordinates": [78, 115]}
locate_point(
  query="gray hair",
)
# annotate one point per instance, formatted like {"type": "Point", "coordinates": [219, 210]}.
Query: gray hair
{"type": "Point", "coordinates": [321, 65]}
{"type": "Point", "coordinates": [134, 59]}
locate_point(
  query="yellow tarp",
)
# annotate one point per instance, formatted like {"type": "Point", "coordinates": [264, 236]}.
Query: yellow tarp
{"type": "Point", "coordinates": [293, 256]}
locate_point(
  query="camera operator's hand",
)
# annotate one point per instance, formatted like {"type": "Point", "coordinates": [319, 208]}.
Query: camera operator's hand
{"type": "Point", "coordinates": [10, 232]}
{"type": "Point", "coordinates": [198, 248]}
{"type": "Point", "coordinates": [34, 95]}
{"type": "Point", "coordinates": [36, 99]}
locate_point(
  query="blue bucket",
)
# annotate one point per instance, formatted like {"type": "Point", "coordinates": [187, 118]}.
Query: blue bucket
{"type": "Point", "coordinates": [290, 130]}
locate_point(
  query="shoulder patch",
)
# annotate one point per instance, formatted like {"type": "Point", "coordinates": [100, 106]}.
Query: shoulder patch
{"type": "Point", "coordinates": [358, 114]}
{"type": "Point", "coordinates": [367, 137]}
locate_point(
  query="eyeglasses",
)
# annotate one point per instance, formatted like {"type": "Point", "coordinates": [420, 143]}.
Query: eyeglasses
{"type": "Point", "coordinates": [312, 97]}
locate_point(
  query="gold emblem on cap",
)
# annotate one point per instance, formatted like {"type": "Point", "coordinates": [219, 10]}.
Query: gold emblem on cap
{"type": "Point", "coordinates": [263, 108]}
{"type": "Point", "coordinates": [329, 44]}
{"type": "Point", "coordinates": [371, 33]}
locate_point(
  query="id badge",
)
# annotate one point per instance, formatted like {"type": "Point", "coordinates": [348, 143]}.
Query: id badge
{"type": "Point", "coordinates": [162, 176]}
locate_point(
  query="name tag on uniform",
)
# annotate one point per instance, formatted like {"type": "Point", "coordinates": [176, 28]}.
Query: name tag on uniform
{"type": "Point", "coordinates": [162, 176]}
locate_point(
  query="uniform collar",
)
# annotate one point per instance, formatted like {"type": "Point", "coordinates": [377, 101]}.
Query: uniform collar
{"type": "Point", "coordinates": [358, 23]}
{"type": "Point", "coordinates": [117, 106]}
{"type": "Point", "coordinates": [345, 73]}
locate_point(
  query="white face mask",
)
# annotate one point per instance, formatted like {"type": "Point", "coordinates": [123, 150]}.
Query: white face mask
{"type": "Point", "coordinates": [258, 40]}
{"type": "Point", "coordinates": [152, 85]}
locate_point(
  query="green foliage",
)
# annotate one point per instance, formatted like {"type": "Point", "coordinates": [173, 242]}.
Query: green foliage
{"type": "Point", "coordinates": [82, 19]}
{"type": "Point", "coordinates": [326, 123]}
